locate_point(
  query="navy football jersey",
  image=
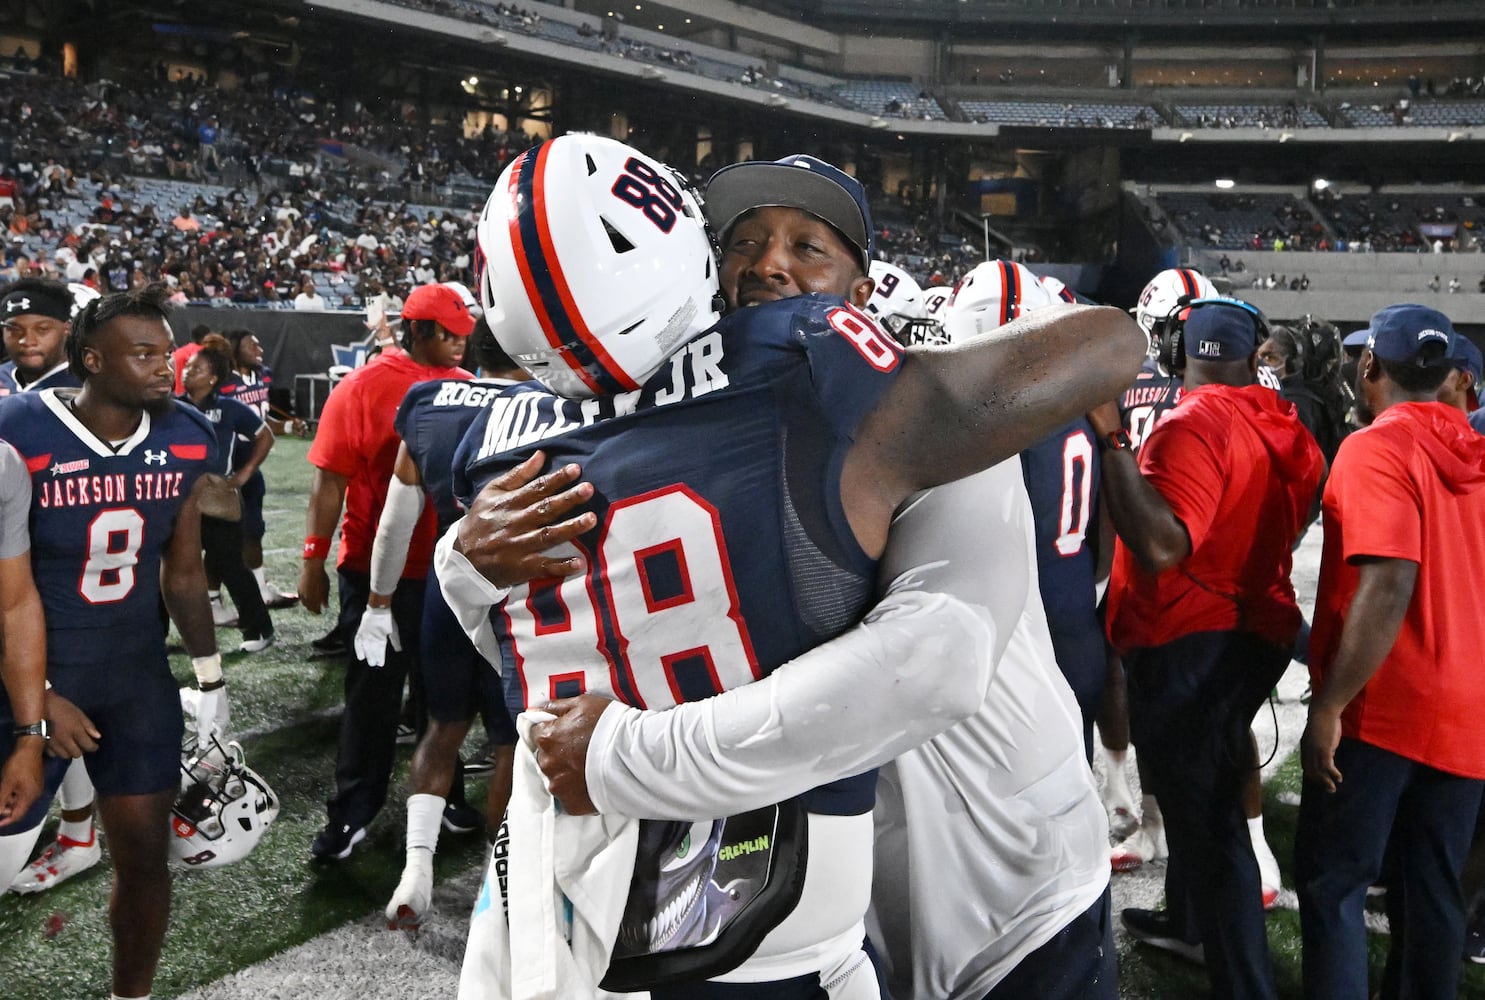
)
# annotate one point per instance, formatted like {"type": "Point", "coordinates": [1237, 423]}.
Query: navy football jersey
{"type": "Point", "coordinates": [234, 424]}
{"type": "Point", "coordinates": [721, 549]}
{"type": "Point", "coordinates": [1146, 402]}
{"type": "Point", "coordinates": [1062, 475]}
{"type": "Point", "coordinates": [101, 516]}
{"type": "Point", "coordinates": [60, 377]}
{"type": "Point", "coordinates": [431, 421]}
{"type": "Point", "coordinates": [250, 389]}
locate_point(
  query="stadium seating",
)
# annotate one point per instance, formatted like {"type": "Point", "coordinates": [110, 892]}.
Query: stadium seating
{"type": "Point", "coordinates": [1082, 114]}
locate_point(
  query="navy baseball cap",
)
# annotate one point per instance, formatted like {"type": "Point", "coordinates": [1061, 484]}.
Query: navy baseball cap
{"type": "Point", "coordinates": [800, 181]}
{"type": "Point", "coordinates": [1357, 339]}
{"type": "Point", "coordinates": [1221, 330]}
{"type": "Point", "coordinates": [1398, 333]}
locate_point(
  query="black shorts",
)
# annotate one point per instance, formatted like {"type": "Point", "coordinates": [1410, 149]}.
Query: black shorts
{"type": "Point", "coordinates": [458, 682]}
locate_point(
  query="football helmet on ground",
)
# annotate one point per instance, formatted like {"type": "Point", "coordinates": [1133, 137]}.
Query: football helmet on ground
{"type": "Point", "coordinates": [597, 265]}
{"type": "Point", "coordinates": [223, 807]}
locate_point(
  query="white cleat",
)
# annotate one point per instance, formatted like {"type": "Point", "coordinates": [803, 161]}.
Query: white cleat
{"type": "Point", "coordinates": [411, 900]}
{"type": "Point", "coordinates": [1145, 844]}
{"type": "Point", "coordinates": [221, 614]}
{"type": "Point", "coordinates": [57, 864]}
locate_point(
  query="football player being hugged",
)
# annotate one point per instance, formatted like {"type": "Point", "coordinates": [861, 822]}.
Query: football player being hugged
{"type": "Point", "coordinates": [700, 441]}
{"type": "Point", "coordinates": [117, 481]}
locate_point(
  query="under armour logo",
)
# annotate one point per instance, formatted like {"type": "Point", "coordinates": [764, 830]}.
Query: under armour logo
{"type": "Point", "coordinates": [154, 457]}
{"type": "Point", "coordinates": [18, 305]}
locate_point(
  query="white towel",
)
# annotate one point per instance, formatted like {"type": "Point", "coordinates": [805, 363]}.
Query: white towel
{"type": "Point", "coordinates": [568, 879]}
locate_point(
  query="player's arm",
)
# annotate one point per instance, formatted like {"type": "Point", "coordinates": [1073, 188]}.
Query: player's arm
{"type": "Point", "coordinates": [183, 586]}
{"type": "Point", "coordinates": [326, 497]}
{"type": "Point", "coordinates": [262, 445]}
{"type": "Point", "coordinates": [920, 662]}
{"type": "Point", "coordinates": [394, 531]}
{"type": "Point", "coordinates": [955, 410]}
{"type": "Point", "coordinates": [23, 670]}
{"type": "Point", "coordinates": [1142, 518]}
{"type": "Point", "coordinates": [1373, 621]}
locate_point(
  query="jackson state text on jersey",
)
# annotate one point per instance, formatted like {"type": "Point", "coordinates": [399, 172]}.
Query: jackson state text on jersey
{"type": "Point", "coordinates": [250, 389]}
{"type": "Point", "coordinates": [722, 548]}
{"type": "Point", "coordinates": [1145, 403]}
{"type": "Point", "coordinates": [100, 518]}
{"type": "Point", "coordinates": [431, 421]}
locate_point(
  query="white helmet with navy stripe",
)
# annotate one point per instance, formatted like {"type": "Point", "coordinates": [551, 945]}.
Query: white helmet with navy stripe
{"type": "Point", "coordinates": [1165, 293]}
{"type": "Point", "coordinates": [596, 265]}
{"type": "Point", "coordinates": [896, 299]}
{"type": "Point", "coordinates": [992, 295]}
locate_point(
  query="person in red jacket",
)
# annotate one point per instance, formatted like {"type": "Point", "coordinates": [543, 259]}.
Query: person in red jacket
{"type": "Point", "coordinates": [1201, 606]}
{"type": "Point", "coordinates": [353, 454]}
{"type": "Point", "coordinates": [1394, 748]}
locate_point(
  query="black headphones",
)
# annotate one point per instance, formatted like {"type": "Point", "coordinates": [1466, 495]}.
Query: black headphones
{"type": "Point", "coordinates": [1169, 333]}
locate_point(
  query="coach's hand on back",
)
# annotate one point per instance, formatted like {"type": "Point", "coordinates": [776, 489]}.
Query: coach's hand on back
{"type": "Point", "coordinates": [517, 518]}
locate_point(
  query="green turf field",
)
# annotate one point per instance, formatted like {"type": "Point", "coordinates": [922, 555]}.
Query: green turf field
{"type": "Point", "coordinates": [228, 919]}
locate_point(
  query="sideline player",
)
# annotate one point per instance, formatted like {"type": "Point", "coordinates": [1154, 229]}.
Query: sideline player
{"type": "Point", "coordinates": [706, 378]}
{"type": "Point", "coordinates": [354, 453]}
{"type": "Point", "coordinates": [35, 314]}
{"type": "Point", "coordinates": [1061, 473]}
{"type": "Point", "coordinates": [458, 681]}
{"type": "Point", "coordinates": [250, 385]}
{"type": "Point", "coordinates": [243, 443]}
{"type": "Point", "coordinates": [24, 729]}
{"type": "Point", "coordinates": [116, 470]}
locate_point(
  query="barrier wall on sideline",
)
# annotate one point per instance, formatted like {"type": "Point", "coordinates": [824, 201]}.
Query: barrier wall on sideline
{"type": "Point", "coordinates": [296, 345]}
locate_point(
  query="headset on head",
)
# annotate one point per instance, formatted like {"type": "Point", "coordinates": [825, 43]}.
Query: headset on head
{"type": "Point", "coordinates": [1169, 333]}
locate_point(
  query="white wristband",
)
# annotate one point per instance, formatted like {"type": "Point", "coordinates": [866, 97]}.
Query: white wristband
{"type": "Point", "coordinates": [208, 669]}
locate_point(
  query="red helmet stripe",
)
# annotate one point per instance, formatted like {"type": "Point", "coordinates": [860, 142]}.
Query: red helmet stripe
{"type": "Point", "coordinates": [611, 367]}
{"type": "Point", "coordinates": [1010, 284]}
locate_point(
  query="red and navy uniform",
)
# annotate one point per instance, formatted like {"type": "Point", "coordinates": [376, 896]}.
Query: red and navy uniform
{"type": "Point", "coordinates": [233, 423]}
{"type": "Point", "coordinates": [1146, 402]}
{"type": "Point", "coordinates": [251, 390]}
{"type": "Point", "coordinates": [60, 377]}
{"type": "Point", "coordinates": [721, 548]}
{"type": "Point", "coordinates": [101, 516]}
{"type": "Point", "coordinates": [1062, 475]}
{"type": "Point", "coordinates": [456, 679]}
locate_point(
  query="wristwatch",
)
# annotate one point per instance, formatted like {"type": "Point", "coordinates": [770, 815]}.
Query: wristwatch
{"type": "Point", "coordinates": [42, 729]}
{"type": "Point", "coordinates": [1116, 441]}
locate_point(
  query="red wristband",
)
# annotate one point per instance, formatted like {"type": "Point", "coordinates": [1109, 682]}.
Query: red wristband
{"type": "Point", "coordinates": [316, 547]}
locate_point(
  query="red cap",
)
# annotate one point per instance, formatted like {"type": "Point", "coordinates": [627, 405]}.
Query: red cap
{"type": "Point", "coordinates": [441, 304]}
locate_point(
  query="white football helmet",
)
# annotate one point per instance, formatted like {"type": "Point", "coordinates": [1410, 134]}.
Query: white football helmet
{"type": "Point", "coordinates": [222, 810]}
{"type": "Point", "coordinates": [897, 298]}
{"type": "Point", "coordinates": [597, 265]}
{"type": "Point", "coordinates": [1164, 293]}
{"type": "Point", "coordinates": [992, 295]}
{"type": "Point", "coordinates": [470, 302]}
{"type": "Point", "coordinates": [81, 296]}
{"type": "Point", "coordinates": [1058, 288]}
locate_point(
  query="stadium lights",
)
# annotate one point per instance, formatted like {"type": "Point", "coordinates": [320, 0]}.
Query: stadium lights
{"type": "Point", "coordinates": [1226, 183]}
{"type": "Point", "coordinates": [1320, 184]}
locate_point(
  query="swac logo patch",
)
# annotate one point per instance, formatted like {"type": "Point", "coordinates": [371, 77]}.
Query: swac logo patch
{"type": "Point", "coordinates": [62, 468]}
{"type": "Point", "coordinates": [154, 457]}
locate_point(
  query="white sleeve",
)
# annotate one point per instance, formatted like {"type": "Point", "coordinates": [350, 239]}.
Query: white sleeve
{"type": "Point", "coordinates": [394, 531]}
{"type": "Point", "coordinates": [468, 594]}
{"type": "Point", "coordinates": [921, 661]}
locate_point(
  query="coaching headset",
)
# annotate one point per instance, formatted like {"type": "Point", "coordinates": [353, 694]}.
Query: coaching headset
{"type": "Point", "coordinates": [1169, 333]}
